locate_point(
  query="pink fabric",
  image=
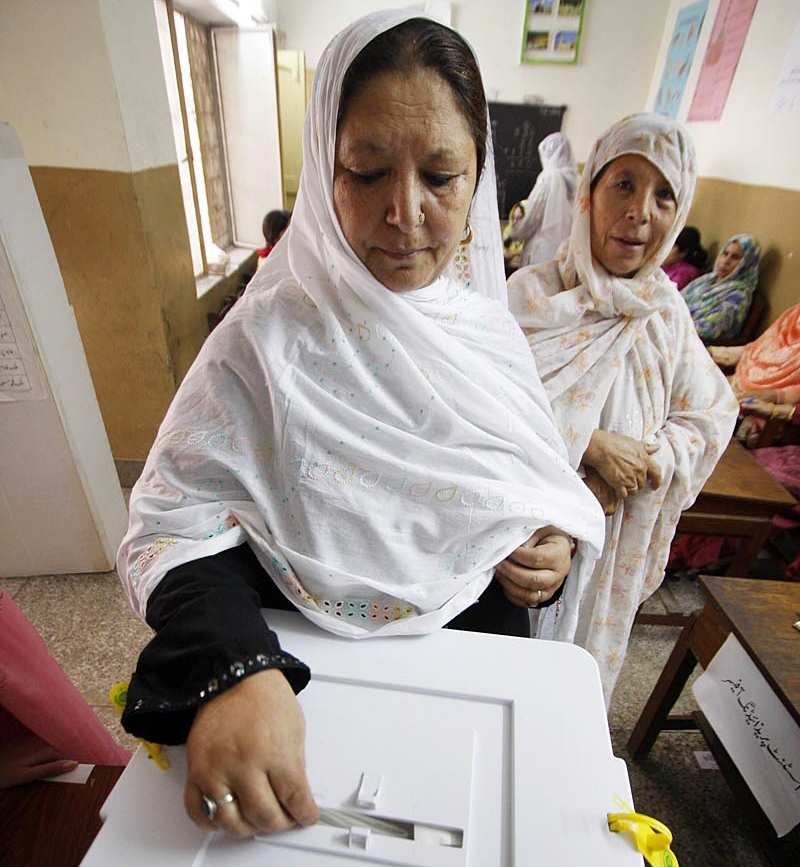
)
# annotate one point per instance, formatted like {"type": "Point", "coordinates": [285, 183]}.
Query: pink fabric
{"type": "Point", "coordinates": [681, 273]}
{"type": "Point", "coordinates": [703, 552]}
{"type": "Point", "coordinates": [37, 695]}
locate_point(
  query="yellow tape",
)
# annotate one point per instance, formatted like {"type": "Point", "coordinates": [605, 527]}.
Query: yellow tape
{"type": "Point", "coordinates": [119, 696]}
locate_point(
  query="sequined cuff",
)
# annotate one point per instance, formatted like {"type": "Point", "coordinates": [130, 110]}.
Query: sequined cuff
{"type": "Point", "coordinates": [209, 634]}
{"type": "Point", "coordinates": [155, 718]}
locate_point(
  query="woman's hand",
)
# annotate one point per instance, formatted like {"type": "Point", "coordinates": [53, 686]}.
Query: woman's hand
{"type": "Point", "coordinates": [603, 492]}
{"type": "Point", "coordinates": [26, 757]}
{"type": "Point", "coordinates": [726, 356]}
{"type": "Point", "coordinates": [535, 571]}
{"type": "Point", "coordinates": [624, 463]}
{"type": "Point", "coordinates": [249, 741]}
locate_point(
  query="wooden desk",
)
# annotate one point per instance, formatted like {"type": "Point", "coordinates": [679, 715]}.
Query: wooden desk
{"type": "Point", "coordinates": [760, 614]}
{"type": "Point", "coordinates": [52, 824]}
{"type": "Point", "coordinates": [739, 499]}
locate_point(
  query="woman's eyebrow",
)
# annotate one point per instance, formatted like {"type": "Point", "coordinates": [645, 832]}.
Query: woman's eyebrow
{"type": "Point", "coordinates": [364, 147]}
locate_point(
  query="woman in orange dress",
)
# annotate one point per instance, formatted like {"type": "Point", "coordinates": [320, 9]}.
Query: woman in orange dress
{"type": "Point", "coordinates": [766, 382]}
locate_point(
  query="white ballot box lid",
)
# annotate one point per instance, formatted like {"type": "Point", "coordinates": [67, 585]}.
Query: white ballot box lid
{"type": "Point", "coordinates": [492, 749]}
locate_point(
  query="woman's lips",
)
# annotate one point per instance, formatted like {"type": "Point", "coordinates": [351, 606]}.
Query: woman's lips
{"type": "Point", "coordinates": [400, 255]}
{"type": "Point", "coordinates": [630, 243]}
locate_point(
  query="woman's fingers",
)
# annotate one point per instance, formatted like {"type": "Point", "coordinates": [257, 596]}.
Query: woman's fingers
{"type": "Point", "coordinates": [295, 798]}
{"type": "Point", "coordinates": [533, 572]}
{"type": "Point", "coordinates": [26, 757]}
{"type": "Point", "coordinates": [520, 589]}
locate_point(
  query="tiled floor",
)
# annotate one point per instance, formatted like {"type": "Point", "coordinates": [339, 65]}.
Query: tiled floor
{"type": "Point", "coordinates": [92, 632]}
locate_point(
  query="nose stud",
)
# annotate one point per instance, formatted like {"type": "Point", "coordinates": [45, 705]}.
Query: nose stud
{"type": "Point", "coordinates": [421, 218]}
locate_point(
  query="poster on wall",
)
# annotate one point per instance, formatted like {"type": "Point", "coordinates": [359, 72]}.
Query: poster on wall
{"type": "Point", "coordinates": [787, 90]}
{"type": "Point", "coordinates": [552, 31]}
{"type": "Point", "coordinates": [721, 58]}
{"type": "Point", "coordinates": [680, 56]}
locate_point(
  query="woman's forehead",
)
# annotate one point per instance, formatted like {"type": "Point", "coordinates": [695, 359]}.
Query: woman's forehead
{"type": "Point", "coordinates": [394, 106]}
{"type": "Point", "coordinates": [635, 165]}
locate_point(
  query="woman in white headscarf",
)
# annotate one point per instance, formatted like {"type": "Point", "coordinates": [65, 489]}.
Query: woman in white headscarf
{"type": "Point", "coordinates": [547, 212]}
{"type": "Point", "coordinates": [644, 411]}
{"type": "Point", "coordinates": [364, 438]}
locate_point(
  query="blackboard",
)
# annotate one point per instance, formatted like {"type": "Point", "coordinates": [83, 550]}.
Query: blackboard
{"type": "Point", "coordinates": [517, 129]}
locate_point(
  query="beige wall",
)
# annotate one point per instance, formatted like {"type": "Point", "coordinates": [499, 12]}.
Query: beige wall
{"type": "Point", "coordinates": [725, 208]}
{"type": "Point", "coordinates": [120, 240]}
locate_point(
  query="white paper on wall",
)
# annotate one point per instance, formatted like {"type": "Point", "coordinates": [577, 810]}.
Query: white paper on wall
{"type": "Point", "coordinates": [787, 90]}
{"type": "Point", "coordinates": [760, 735]}
{"type": "Point", "coordinates": [21, 377]}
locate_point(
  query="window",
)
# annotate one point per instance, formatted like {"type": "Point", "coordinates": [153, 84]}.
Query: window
{"type": "Point", "coordinates": [222, 89]}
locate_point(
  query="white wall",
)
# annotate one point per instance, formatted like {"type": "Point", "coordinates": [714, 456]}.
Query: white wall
{"type": "Point", "coordinates": [81, 83]}
{"type": "Point", "coordinates": [611, 79]}
{"type": "Point", "coordinates": [748, 144]}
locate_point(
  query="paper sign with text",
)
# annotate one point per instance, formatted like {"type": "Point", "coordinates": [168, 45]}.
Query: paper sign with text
{"type": "Point", "coordinates": [756, 729]}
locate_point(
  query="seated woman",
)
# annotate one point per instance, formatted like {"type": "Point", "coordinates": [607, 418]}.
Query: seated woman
{"type": "Point", "coordinates": [720, 300]}
{"type": "Point", "coordinates": [547, 212]}
{"type": "Point", "coordinates": [642, 407]}
{"type": "Point", "coordinates": [766, 375]}
{"type": "Point", "coordinates": [46, 726]}
{"type": "Point", "coordinates": [766, 382]}
{"type": "Point", "coordinates": [363, 438]}
{"type": "Point", "coordinates": [512, 248]}
{"type": "Point", "coordinates": [686, 258]}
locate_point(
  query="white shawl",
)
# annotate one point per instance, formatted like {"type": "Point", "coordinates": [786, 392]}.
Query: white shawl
{"type": "Point", "coordinates": [380, 452]}
{"type": "Point", "coordinates": [622, 355]}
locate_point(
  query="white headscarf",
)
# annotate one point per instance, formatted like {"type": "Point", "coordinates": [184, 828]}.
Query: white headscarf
{"type": "Point", "coordinates": [548, 208]}
{"type": "Point", "coordinates": [380, 451]}
{"type": "Point", "coordinates": [665, 144]}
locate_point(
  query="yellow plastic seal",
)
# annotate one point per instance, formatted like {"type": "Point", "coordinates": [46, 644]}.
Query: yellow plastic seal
{"type": "Point", "coordinates": [119, 696]}
{"type": "Point", "coordinates": [652, 838]}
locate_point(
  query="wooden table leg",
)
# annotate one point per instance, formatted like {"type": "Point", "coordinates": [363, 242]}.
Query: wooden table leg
{"type": "Point", "coordinates": [748, 550]}
{"type": "Point", "coordinates": [665, 693]}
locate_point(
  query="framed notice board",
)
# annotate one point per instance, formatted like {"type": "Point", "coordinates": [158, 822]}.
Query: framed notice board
{"type": "Point", "coordinates": [517, 129]}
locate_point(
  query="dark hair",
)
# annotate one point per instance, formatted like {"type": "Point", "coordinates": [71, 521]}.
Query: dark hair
{"type": "Point", "coordinates": [273, 224]}
{"type": "Point", "coordinates": [688, 242]}
{"type": "Point", "coordinates": [422, 44]}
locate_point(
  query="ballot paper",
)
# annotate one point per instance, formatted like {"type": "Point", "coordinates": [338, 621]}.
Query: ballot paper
{"type": "Point", "coordinates": [761, 737]}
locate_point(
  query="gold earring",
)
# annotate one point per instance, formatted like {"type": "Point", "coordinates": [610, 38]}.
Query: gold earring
{"type": "Point", "coordinates": [468, 236]}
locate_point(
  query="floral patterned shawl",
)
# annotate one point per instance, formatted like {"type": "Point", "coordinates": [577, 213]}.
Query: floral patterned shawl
{"type": "Point", "coordinates": [621, 354]}
{"type": "Point", "coordinates": [719, 305]}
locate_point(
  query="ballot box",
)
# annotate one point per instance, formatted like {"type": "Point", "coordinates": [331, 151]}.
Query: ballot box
{"type": "Point", "coordinates": [454, 749]}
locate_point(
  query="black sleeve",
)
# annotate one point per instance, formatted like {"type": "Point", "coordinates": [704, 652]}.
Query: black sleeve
{"type": "Point", "coordinates": [209, 635]}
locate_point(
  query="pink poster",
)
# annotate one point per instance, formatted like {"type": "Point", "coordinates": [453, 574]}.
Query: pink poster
{"type": "Point", "coordinates": [721, 58]}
